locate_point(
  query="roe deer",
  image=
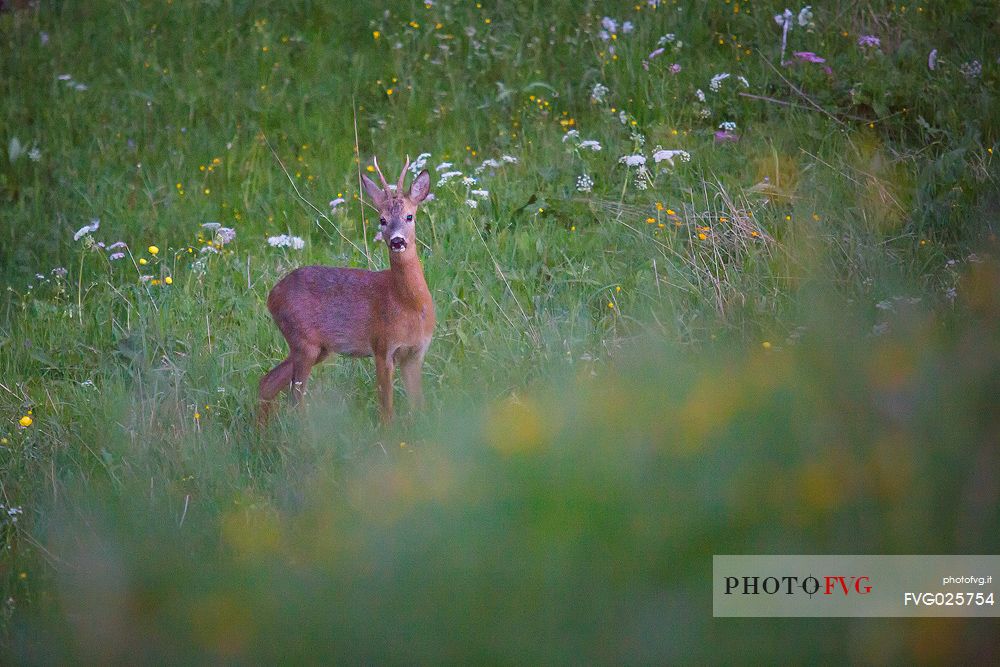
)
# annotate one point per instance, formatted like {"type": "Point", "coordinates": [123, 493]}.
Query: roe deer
{"type": "Point", "coordinates": [386, 314]}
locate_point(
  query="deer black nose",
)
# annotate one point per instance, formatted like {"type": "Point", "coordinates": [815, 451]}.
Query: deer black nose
{"type": "Point", "coordinates": [397, 243]}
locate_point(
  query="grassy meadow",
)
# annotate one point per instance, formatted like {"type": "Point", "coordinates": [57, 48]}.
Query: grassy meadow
{"type": "Point", "coordinates": [707, 281]}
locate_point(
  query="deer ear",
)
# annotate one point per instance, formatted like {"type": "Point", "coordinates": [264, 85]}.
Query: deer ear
{"type": "Point", "coordinates": [421, 187]}
{"type": "Point", "coordinates": [374, 191]}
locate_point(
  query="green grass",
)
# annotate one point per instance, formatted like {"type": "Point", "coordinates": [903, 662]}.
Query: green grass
{"type": "Point", "coordinates": [786, 344]}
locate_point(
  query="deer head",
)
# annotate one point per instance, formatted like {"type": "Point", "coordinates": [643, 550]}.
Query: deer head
{"type": "Point", "coordinates": [397, 208]}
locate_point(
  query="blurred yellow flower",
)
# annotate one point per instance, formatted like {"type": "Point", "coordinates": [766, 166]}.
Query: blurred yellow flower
{"type": "Point", "coordinates": [26, 421]}
{"type": "Point", "coordinates": [153, 250]}
{"type": "Point", "coordinates": [766, 345]}
{"type": "Point", "coordinates": [376, 34]}
{"type": "Point", "coordinates": [142, 260]}
{"type": "Point", "coordinates": [168, 280]}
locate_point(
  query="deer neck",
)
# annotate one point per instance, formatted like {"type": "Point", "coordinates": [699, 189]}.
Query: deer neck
{"type": "Point", "coordinates": [408, 279]}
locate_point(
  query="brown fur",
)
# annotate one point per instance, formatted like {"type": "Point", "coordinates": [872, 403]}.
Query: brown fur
{"type": "Point", "coordinates": [385, 314]}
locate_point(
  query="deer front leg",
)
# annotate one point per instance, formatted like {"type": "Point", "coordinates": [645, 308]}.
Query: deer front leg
{"type": "Point", "coordinates": [410, 369]}
{"type": "Point", "coordinates": [383, 372]}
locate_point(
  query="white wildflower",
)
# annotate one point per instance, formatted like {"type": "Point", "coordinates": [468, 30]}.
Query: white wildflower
{"type": "Point", "coordinates": [87, 229]}
{"type": "Point", "coordinates": [59, 272]}
{"type": "Point", "coordinates": [472, 203]}
{"type": "Point", "coordinates": [805, 16]}
{"type": "Point", "coordinates": [609, 24]}
{"type": "Point", "coordinates": [627, 27]}
{"type": "Point", "coordinates": [211, 226]}
{"type": "Point", "coordinates": [572, 134]}
{"type": "Point", "coordinates": [487, 164]}
{"type": "Point", "coordinates": [971, 70]}
{"type": "Point", "coordinates": [590, 144]}
{"type": "Point", "coordinates": [743, 80]}
{"type": "Point", "coordinates": [15, 149]}
{"type": "Point", "coordinates": [334, 203]}
{"type": "Point", "coordinates": [441, 167]}
{"type": "Point", "coordinates": [668, 155]}
{"type": "Point", "coordinates": [469, 181]}
{"type": "Point", "coordinates": [728, 126]}
{"type": "Point", "coordinates": [419, 163]}
{"type": "Point", "coordinates": [286, 241]}
{"type": "Point", "coordinates": [447, 176]}
{"type": "Point", "coordinates": [584, 183]}
{"type": "Point", "coordinates": [34, 154]}
{"type": "Point", "coordinates": [482, 194]}
{"type": "Point", "coordinates": [633, 160]}
{"type": "Point", "coordinates": [717, 80]}
{"type": "Point", "coordinates": [509, 158]}
{"type": "Point", "coordinates": [598, 92]}
{"type": "Point", "coordinates": [115, 256]}
{"type": "Point", "coordinates": [700, 94]}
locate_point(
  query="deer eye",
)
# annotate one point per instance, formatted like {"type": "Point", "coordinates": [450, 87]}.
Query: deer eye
{"type": "Point", "coordinates": [409, 218]}
{"type": "Point", "coordinates": [381, 221]}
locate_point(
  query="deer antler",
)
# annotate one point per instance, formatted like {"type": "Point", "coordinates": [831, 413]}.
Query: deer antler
{"type": "Point", "coordinates": [402, 176]}
{"type": "Point", "coordinates": [385, 186]}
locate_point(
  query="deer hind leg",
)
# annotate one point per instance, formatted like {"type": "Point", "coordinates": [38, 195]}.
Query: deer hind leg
{"type": "Point", "coordinates": [303, 359]}
{"type": "Point", "coordinates": [277, 379]}
{"type": "Point", "coordinates": [410, 368]}
{"type": "Point", "coordinates": [383, 372]}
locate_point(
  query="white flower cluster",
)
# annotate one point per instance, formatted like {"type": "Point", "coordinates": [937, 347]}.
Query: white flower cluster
{"type": "Point", "coordinates": [87, 229]}
{"type": "Point", "coordinates": [660, 155]}
{"type": "Point", "coordinates": [670, 39]}
{"type": "Point", "coordinates": [598, 92]}
{"type": "Point", "coordinates": [286, 241]}
{"type": "Point", "coordinates": [417, 165]}
{"type": "Point", "coordinates": [717, 80]}
{"type": "Point", "coordinates": [447, 176]}
{"type": "Point", "coordinates": [584, 183]}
